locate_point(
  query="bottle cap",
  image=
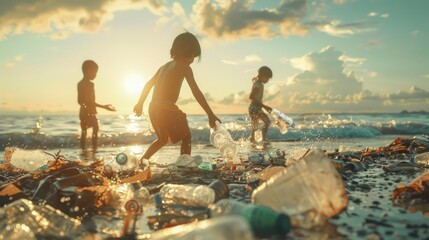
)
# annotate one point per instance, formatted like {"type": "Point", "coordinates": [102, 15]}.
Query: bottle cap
{"type": "Point", "coordinates": [121, 158]}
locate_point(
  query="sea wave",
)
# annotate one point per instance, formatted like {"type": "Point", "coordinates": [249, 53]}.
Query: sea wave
{"type": "Point", "coordinates": [303, 132]}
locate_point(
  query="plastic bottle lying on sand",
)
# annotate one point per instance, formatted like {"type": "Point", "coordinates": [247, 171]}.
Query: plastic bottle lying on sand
{"type": "Point", "coordinates": [187, 195]}
{"type": "Point", "coordinates": [124, 161]}
{"type": "Point", "coordinates": [43, 221]}
{"type": "Point", "coordinates": [318, 191]}
{"type": "Point", "coordinates": [129, 195]}
{"type": "Point", "coordinates": [28, 160]}
{"type": "Point", "coordinates": [219, 135]}
{"type": "Point", "coordinates": [230, 227]}
{"type": "Point", "coordinates": [264, 221]}
{"type": "Point", "coordinates": [422, 159]}
{"type": "Point", "coordinates": [220, 189]}
{"type": "Point", "coordinates": [282, 121]}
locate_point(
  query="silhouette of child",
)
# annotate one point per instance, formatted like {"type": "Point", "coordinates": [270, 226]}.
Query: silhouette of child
{"type": "Point", "coordinates": [86, 100]}
{"type": "Point", "coordinates": [168, 121]}
{"type": "Point", "coordinates": [256, 104]}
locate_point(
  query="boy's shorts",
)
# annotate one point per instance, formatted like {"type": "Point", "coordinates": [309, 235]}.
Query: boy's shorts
{"type": "Point", "coordinates": [88, 120]}
{"type": "Point", "coordinates": [169, 121]}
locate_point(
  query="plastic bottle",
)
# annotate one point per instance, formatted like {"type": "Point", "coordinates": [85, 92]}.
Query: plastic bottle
{"type": "Point", "coordinates": [228, 149]}
{"type": "Point", "coordinates": [43, 221]}
{"type": "Point", "coordinates": [219, 135]}
{"type": "Point", "coordinates": [259, 158]}
{"type": "Point", "coordinates": [187, 195]}
{"type": "Point", "coordinates": [269, 172]}
{"type": "Point", "coordinates": [309, 192]}
{"type": "Point", "coordinates": [122, 195]}
{"type": "Point", "coordinates": [264, 221]}
{"type": "Point", "coordinates": [220, 189]}
{"type": "Point", "coordinates": [422, 159]}
{"type": "Point", "coordinates": [28, 160]}
{"type": "Point", "coordinates": [187, 161]}
{"type": "Point", "coordinates": [258, 135]}
{"type": "Point", "coordinates": [222, 228]}
{"type": "Point", "coordinates": [127, 160]}
{"type": "Point", "coordinates": [282, 121]}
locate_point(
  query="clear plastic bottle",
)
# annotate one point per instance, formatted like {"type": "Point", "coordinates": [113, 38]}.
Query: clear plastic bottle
{"type": "Point", "coordinates": [229, 149]}
{"type": "Point", "coordinates": [220, 189]}
{"type": "Point", "coordinates": [187, 195]}
{"type": "Point", "coordinates": [28, 160]}
{"type": "Point", "coordinates": [264, 221]}
{"type": "Point", "coordinates": [318, 191]}
{"type": "Point", "coordinates": [422, 159]}
{"type": "Point", "coordinates": [258, 135]}
{"type": "Point", "coordinates": [222, 228]}
{"type": "Point", "coordinates": [269, 172]}
{"type": "Point", "coordinates": [129, 195]}
{"type": "Point", "coordinates": [219, 135]}
{"type": "Point", "coordinates": [127, 161]}
{"type": "Point", "coordinates": [282, 121]}
{"type": "Point", "coordinates": [43, 221]}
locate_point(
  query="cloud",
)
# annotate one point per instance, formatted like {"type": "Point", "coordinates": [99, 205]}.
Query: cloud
{"type": "Point", "coordinates": [192, 99]}
{"type": "Point", "coordinates": [247, 59]}
{"type": "Point", "coordinates": [370, 44]}
{"type": "Point", "coordinates": [338, 29]}
{"type": "Point", "coordinates": [339, 1]}
{"type": "Point", "coordinates": [372, 14]}
{"type": "Point", "coordinates": [414, 94]}
{"type": "Point", "coordinates": [426, 76]}
{"type": "Point", "coordinates": [238, 19]}
{"type": "Point", "coordinates": [62, 17]}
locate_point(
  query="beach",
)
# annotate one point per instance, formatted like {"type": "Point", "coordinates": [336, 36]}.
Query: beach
{"type": "Point", "coordinates": [370, 213]}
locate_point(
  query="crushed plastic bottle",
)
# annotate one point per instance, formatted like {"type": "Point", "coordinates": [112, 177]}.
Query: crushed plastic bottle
{"type": "Point", "coordinates": [187, 161]}
{"type": "Point", "coordinates": [122, 195]}
{"type": "Point", "coordinates": [187, 195]}
{"type": "Point", "coordinates": [230, 227]}
{"type": "Point", "coordinates": [282, 121]}
{"type": "Point", "coordinates": [422, 159]}
{"type": "Point", "coordinates": [264, 221]}
{"type": "Point", "coordinates": [318, 191]}
{"type": "Point", "coordinates": [219, 135]}
{"type": "Point", "coordinates": [43, 221]}
{"type": "Point", "coordinates": [28, 160]}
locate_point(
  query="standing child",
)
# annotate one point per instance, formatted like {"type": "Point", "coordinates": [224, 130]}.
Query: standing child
{"type": "Point", "coordinates": [86, 100]}
{"type": "Point", "coordinates": [256, 104]}
{"type": "Point", "coordinates": [168, 121]}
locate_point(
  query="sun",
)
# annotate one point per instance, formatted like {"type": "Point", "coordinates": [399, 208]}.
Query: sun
{"type": "Point", "coordinates": [133, 83]}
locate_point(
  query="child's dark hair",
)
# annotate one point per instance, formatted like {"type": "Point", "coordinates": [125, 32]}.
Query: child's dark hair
{"type": "Point", "coordinates": [184, 45]}
{"type": "Point", "coordinates": [88, 64]}
{"type": "Point", "coordinates": [263, 71]}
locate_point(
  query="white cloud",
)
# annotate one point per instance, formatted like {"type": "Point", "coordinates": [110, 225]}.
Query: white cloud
{"type": "Point", "coordinates": [339, 1]}
{"type": "Point", "coordinates": [247, 59]}
{"type": "Point", "coordinates": [252, 58]}
{"type": "Point", "coordinates": [238, 19]}
{"type": "Point", "coordinates": [62, 17]}
{"type": "Point", "coordinates": [9, 64]}
{"type": "Point", "coordinates": [372, 14]}
{"type": "Point", "coordinates": [19, 58]}
{"type": "Point", "coordinates": [385, 15]}
{"type": "Point", "coordinates": [338, 29]}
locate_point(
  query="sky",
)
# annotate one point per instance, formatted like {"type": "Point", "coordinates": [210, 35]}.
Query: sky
{"type": "Point", "coordinates": [327, 56]}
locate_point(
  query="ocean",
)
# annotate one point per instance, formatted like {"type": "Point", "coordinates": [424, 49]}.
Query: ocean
{"type": "Point", "coordinates": [61, 132]}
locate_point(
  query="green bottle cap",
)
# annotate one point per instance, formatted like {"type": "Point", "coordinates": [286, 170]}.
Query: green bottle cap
{"type": "Point", "coordinates": [121, 158]}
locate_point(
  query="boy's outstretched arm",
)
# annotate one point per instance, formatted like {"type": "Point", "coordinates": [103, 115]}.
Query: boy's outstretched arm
{"type": "Point", "coordinates": [138, 108]}
{"type": "Point", "coordinates": [256, 102]}
{"type": "Point", "coordinates": [189, 75]}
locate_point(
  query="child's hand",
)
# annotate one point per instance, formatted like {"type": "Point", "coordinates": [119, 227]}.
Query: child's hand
{"type": "Point", "coordinates": [110, 107]}
{"type": "Point", "coordinates": [268, 109]}
{"type": "Point", "coordinates": [212, 121]}
{"type": "Point", "coordinates": [138, 110]}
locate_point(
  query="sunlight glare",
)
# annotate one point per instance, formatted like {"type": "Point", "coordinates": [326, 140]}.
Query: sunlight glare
{"type": "Point", "coordinates": [134, 83]}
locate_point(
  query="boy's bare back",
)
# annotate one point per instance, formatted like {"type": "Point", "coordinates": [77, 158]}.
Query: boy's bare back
{"type": "Point", "coordinates": [168, 81]}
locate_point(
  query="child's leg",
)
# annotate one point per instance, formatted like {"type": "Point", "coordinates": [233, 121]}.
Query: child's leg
{"type": "Point", "coordinates": [267, 122]}
{"type": "Point", "coordinates": [255, 122]}
{"type": "Point", "coordinates": [186, 145]}
{"type": "Point", "coordinates": [83, 138]}
{"type": "Point", "coordinates": [155, 146]}
{"type": "Point", "coordinates": [95, 136]}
